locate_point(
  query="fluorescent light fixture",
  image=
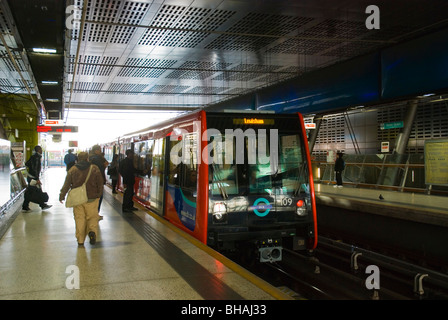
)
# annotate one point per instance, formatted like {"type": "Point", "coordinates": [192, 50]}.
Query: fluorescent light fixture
{"type": "Point", "coordinates": [49, 82]}
{"type": "Point", "coordinates": [44, 50]}
{"type": "Point", "coordinates": [52, 100]}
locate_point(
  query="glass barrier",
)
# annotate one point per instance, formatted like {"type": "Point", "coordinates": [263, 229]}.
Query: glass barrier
{"type": "Point", "coordinates": [5, 181]}
{"type": "Point", "coordinates": [395, 171]}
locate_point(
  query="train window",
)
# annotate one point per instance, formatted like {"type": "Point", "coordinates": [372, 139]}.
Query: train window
{"type": "Point", "coordinates": [190, 161]}
{"type": "Point", "coordinates": [143, 156]}
{"type": "Point", "coordinates": [223, 171]}
{"type": "Point", "coordinates": [291, 164]}
{"type": "Point", "coordinates": [276, 171]}
{"type": "Point", "coordinates": [174, 170]}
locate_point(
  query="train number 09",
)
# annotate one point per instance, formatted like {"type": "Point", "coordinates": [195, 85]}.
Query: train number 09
{"type": "Point", "coordinates": [286, 202]}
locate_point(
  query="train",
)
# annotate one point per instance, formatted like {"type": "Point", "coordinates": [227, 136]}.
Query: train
{"type": "Point", "coordinates": [236, 181]}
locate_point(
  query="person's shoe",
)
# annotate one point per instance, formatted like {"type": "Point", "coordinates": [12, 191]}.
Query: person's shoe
{"type": "Point", "coordinates": [133, 209]}
{"type": "Point", "coordinates": [340, 186]}
{"type": "Point", "coordinates": [335, 186]}
{"type": "Point", "coordinates": [127, 210]}
{"type": "Point", "coordinates": [92, 237]}
{"type": "Point", "coordinates": [80, 245]}
{"type": "Point", "coordinates": [26, 209]}
{"type": "Point", "coordinates": [46, 206]}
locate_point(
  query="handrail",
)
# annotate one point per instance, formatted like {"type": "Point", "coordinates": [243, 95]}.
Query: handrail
{"type": "Point", "coordinates": [376, 164]}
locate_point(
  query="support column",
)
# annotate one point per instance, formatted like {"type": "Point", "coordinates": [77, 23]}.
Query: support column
{"type": "Point", "coordinates": [390, 177]}
{"type": "Point", "coordinates": [403, 138]}
{"type": "Point", "coordinates": [313, 134]}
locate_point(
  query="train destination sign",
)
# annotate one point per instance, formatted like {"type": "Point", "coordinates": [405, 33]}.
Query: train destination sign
{"type": "Point", "coordinates": [57, 129]}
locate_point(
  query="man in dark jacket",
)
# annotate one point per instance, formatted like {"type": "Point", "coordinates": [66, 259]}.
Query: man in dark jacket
{"type": "Point", "coordinates": [34, 167]}
{"type": "Point", "coordinates": [128, 171]}
{"type": "Point", "coordinates": [339, 166]}
{"type": "Point", "coordinates": [70, 159]}
{"type": "Point", "coordinates": [98, 159]}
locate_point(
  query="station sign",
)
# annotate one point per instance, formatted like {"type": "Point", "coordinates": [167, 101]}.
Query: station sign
{"type": "Point", "coordinates": [57, 129]}
{"type": "Point", "coordinates": [392, 125]}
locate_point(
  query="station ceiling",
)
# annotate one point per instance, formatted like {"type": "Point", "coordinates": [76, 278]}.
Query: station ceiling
{"type": "Point", "coordinates": [185, 54]}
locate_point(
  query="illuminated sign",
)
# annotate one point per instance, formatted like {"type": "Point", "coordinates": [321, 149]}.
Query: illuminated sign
{"type": "Point", "coordinates": [57, 129]}
{"type": "Point", "coordinates": [310, 126]}
{"type": "Point", "coordinates": [253, 121]}
{"type": "Point", "coordinates": [53, 122]}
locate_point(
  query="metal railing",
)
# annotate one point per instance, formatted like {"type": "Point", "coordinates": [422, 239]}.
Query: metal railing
{"type": "Point", "coordinates": [401, 172]}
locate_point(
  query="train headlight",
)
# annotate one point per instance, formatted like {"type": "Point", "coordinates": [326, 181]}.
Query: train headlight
{"type": "Point", "coordinates": [219, 212]}
{"type": "Point", "coordinates": [301, 209]}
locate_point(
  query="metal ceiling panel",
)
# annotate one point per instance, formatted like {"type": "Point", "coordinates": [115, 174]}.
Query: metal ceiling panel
{"type": "Point", "coordinates": [181, 55]}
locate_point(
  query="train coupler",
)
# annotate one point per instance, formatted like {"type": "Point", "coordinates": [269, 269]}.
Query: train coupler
{"type": "Point", "coordinates": [270, 251]}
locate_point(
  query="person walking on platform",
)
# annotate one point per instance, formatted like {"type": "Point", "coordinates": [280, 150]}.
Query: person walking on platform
{"type": "Point", "coordinates": [86, 215]}
{"type": "Point", "coordinates": [339, 166]}
{"type": "Point", "coordinates": [127, 171]}
{"type": "Point", "coordinates": [70, 159]}
{"type": "Point", "coordinates": [34, 166]}
{"type": "Point", "coordinates": [98, 159]}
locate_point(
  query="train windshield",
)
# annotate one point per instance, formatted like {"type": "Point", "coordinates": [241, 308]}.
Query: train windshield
{"type": "Point", "coordinates": [258, 160]}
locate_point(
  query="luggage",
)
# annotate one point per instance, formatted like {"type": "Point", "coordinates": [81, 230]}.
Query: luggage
{"type": "Point", "coordinates": [36, 195]}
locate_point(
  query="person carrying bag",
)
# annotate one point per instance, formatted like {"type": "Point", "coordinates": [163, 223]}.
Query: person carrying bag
{"type": "Point", "coordinates": [82, 176]}
{"type": "Point", "coordinates": [77, 196]}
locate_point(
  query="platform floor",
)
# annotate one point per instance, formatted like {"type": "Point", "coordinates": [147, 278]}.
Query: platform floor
{"type": "Point", "coordinates": [418, 207]}
{"type": "Point", "coordinates": [136, 257]}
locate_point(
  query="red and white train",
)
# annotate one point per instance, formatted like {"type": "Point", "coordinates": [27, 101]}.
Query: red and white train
{"type": "Point", "coordinates": [231, 180]}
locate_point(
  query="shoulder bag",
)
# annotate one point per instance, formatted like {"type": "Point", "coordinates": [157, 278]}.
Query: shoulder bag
{"type": "Point", "coordinates": [78, 196]}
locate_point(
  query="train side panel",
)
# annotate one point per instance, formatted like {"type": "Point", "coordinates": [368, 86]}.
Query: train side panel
{"type": "Point", "coordinates": [184, 194]}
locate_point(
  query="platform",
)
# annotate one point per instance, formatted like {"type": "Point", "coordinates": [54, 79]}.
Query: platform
{"type": "Point", "coordinates": [417, 207]}
{"type": "Point", "coordinates": [137, 256]}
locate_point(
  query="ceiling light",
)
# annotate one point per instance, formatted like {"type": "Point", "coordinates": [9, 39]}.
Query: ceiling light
{"type": "Point", "coordinates": [52, 100]}
{"type": "Point", "coordinates": [44, 50]}
{"type": "Point", "coordinates": [49, 82]}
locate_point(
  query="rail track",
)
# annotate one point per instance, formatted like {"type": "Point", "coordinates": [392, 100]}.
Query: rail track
{"type": "Point", "coordinates": [342, 271]}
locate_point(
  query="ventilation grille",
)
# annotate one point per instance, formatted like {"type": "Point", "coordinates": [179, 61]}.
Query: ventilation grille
{"type": "Point", "coordinates": [126, 88]}
{"type": "Point", "coordinates": [203, 70]}
{"type": "Point", "coordinates": [274, 26]}
{"type": "Point", "coordinates": [8, 62]}
{"type": "Point", "coordinates": [167, 89]}
{"type": "Point", "coordinates": [145, 68]}
{"type": "Point", "coordinates": [94, 65]}
{"type": "Point", "coordinates": [245, 72]}
{"type": "Point", "coordinates": [87, 87]}
{"type": "Point", "coordinates": [114, 11]}
{"type": "Point", "coordinates": [332, 130]}
{"type": "Point", "coordinates": [181, 20]}
{"type": "Point", "coordinates": [206, 90]}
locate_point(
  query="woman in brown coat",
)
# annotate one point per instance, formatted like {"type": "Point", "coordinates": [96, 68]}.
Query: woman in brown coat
{"type": "Point", "coordinates": [86, 215]}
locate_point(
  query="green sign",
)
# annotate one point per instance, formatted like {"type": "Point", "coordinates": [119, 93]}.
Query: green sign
{"type": "Point", "coordinates": [392, 125]}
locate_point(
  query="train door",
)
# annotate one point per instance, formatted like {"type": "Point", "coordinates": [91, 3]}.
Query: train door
{"type": "Point", "coordinates": [181, 189]}
{"type": "Point", "coordinates": [157, 178]}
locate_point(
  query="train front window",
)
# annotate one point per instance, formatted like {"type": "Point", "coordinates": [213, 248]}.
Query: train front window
{"type": "Point", "coordinates": [278, 167]}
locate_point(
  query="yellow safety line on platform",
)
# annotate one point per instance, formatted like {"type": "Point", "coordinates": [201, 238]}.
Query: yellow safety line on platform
{"type": "Point", "coordinates": [262, 284]}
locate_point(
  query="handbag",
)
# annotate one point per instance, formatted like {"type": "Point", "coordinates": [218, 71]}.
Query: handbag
{"type": "Point", "coordinates": [78, 195]}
